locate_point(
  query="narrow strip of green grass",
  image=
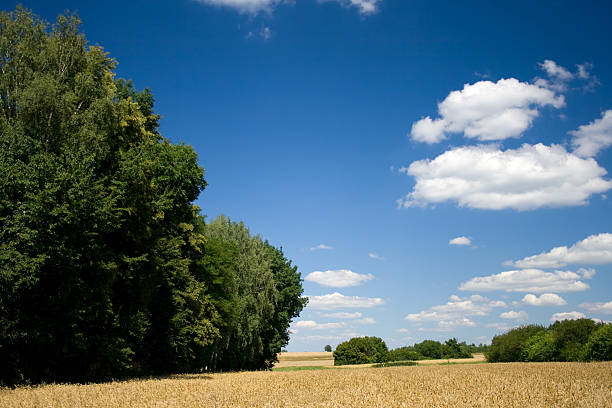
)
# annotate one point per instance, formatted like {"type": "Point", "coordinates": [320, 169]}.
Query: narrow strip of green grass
{"type": "Point", "coordinates": [396, 364]}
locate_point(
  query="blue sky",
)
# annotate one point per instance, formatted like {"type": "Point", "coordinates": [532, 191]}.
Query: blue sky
{"type": "Point", "coordinates": [363, 136]}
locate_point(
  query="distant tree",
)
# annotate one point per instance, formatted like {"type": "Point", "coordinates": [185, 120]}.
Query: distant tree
{"type": "Point", "coordinates": [429, 348]}
{"type": "Point", "coordinates": [328, 348]}
{"type": "Point", "coordinates": [509, 346]}
{"type": "Point", "coordinates": [361, 350]}
{"type": "Point", "coordinates": [404, 354]}
{"type": "Point", "coordinates": [453, 349]}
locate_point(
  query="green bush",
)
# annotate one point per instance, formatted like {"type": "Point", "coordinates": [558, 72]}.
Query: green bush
{"type": "Point", "coordinates": [361, 350]}
{"type": "Point", "coordinates": [395, 364]}
{"type": "Point", "coordinates": [404, 354]}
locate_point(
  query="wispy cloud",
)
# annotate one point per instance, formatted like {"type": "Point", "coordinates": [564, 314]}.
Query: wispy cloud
{"type": "Point", "coordinates": [344, 315]}
{"type": "Point", "coordinates": [456, 312]}
{"type": "Point", "coordinates": [321, 247]}
{"type": "Point", "coordinates": [244, 6]}
{"type": "Point", "coordinates": [339, 301]}
{"type": "Point", "coordinates": [590, 139]}
{"type": "Point", "coordinates": [566, 316]}
{"type": "Point", "coordinates": [311, 324]}
{"type": "Point", "coordinates": [341, 278]}
{"type": "Point", "coordinates": [364, 7]}
{"type": "Point", "coordinates": [514, 315]}
{"type": "Point", "coordinates": [599, 307]}
{"type": "Point", "coordinates": [376, 256]}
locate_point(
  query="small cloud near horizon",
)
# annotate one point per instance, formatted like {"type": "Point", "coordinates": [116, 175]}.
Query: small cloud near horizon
{"type": "Point", "coordinates": [462, 241]}
{"type": "Point", "coordinates": [320, 247]}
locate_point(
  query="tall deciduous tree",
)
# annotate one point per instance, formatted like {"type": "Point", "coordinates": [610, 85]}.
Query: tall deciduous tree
{"type": "Point", "coordinates": [96, 222]}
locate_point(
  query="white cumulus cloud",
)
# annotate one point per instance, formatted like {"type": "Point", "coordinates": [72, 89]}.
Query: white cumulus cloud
{"type": "Point", "coordinates": [593, 250]}
{"type": "Point", "coordinates": [530, 280]}
{"type": "Point", "coordinates": [341, 278]}
{"type": "Point", "coordinates": [484, 177]}
{"type": "Point", "coordinates": [339, 301]}
{"type": "Point", "coordinates": [513, 315]}
{"type": "Point", "coordinates": [545, 299]}
{"type": "Point", "coordinates": [460, 241]}
{"type": "Point", "coordinates": [366, 320]}
{"type": "Point", "coordinates": [599, 307]}
{"type": "Point", "coordinates": [589, 139]}
{"type": "Point", "coordinates": [566, 316]}
{"type": "Point", "coordinates": [487, 111]}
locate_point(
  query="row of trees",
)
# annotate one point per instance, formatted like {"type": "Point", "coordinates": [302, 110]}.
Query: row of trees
{"type": "Point", "coordinates": [568, 340]}
{"type": "Point", "coordinates": [107, 269]}
{"type": "Point", "coordinates": [432, 349]}
{"type": "Point", "coordinates": [364, 350]}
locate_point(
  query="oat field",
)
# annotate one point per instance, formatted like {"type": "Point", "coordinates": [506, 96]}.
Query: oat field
{"type": "Point", "coordinates": [480, 385]}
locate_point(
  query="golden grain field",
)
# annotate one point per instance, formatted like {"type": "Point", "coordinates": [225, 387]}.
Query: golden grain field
{"type": "Point", "coordinates": [480, 385]}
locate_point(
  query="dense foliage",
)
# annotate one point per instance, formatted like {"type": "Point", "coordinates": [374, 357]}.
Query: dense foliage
{"type": "Point", "coordinates": [107, 268]}
{"type": "Point", "coordinates": [431, 349]}
{"type": "Point", "coordinates": [567, 340]}
{"type": "Point", "coordinates": [361, 350]}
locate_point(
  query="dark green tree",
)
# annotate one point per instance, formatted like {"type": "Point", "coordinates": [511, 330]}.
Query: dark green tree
{"type": "Point", "coordinates": [327, 348]}
{"type": "Point", "coordinates": [97, 228]}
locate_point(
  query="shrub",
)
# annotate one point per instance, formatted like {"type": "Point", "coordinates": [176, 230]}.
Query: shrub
{"type": "Point", "coordinates": [361, 350]}
{"type": "Point", "coordinates": [404, 354]}
{"type": "Point", "coordinates": [328, 348]}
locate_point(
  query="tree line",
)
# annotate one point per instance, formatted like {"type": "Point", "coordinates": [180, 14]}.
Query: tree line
{"type": "Point", "coordinates": [567, 340]}
{"type": "Point", "coordinates": [364, 350]}
{"type": "Point", "coordinates": [107, 268]}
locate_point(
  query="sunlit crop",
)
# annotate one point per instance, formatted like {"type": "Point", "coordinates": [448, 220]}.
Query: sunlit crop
{"type": "Point", "coordinates": [476, 385]}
